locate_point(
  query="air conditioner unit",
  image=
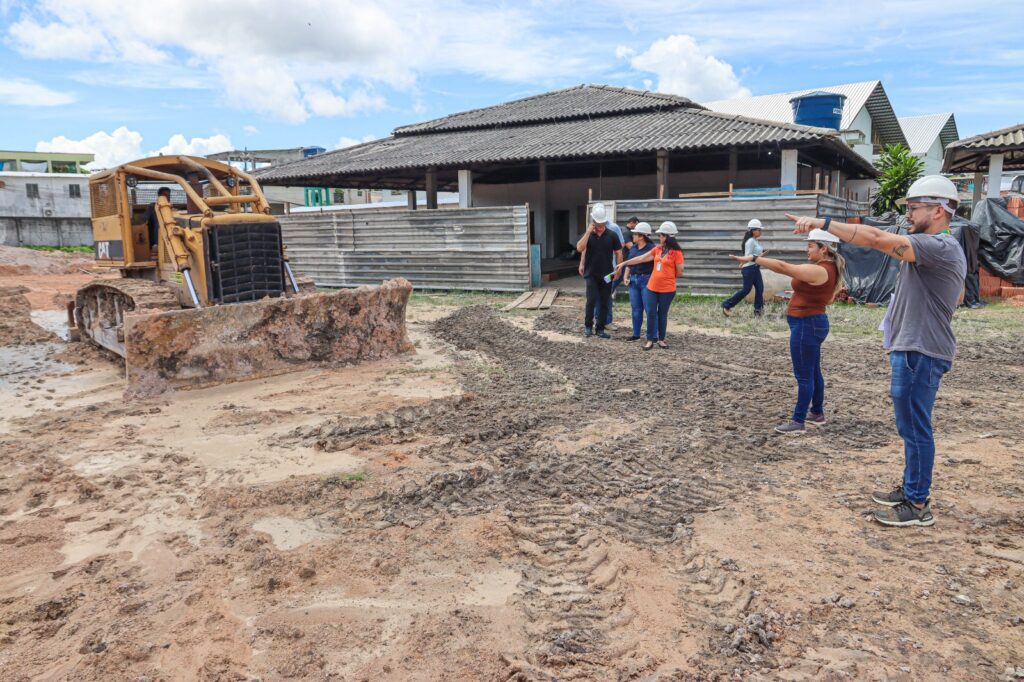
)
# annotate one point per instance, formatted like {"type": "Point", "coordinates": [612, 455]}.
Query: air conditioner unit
{"type": "Point", "coordinates": [47, 212]}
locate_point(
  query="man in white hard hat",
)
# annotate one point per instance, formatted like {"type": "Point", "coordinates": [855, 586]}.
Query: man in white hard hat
{"type": "Point", "coordinates": [599, 248]}
{"type": "Point", "coordinates": [920, 337]}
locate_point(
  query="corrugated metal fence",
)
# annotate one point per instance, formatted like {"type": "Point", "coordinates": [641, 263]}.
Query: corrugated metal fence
{"type": "Point", "coordinates": [711, 229]}
{"type": "Point", "coordinates": [474, 248]}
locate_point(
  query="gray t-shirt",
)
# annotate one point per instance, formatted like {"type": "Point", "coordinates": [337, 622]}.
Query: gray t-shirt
{"type": "Point", "coordinates": [752, 248]}
{"type": "Point", "coordinates": [927, 293]}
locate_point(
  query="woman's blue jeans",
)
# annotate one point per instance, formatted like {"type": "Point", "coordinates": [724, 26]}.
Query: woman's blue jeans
{"type": "Point", "coordinates": [637, 287]}
{"type": "Point", "coordinates": [806, 335]}
{"type": "Point", "coordinates": [656, 306]}
{"type": "Point", "coordinates": [751, 280]}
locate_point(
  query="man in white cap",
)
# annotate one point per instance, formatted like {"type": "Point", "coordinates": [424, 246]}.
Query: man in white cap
{"type": "Point", "coordinates": [600, 248]}
{"type": "Point", "coordinates": [919, 335]}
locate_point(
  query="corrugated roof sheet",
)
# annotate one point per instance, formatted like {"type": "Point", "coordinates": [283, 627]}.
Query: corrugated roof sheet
{"type": "Point", "coordinates": [921, 131]}
{"type": "Point", "coordinates": [680, 129]}
{"type": "Point", "coordinates": [580, 101]}
{"type": "Point", "coordinates": [972, 153]}
{"type": "Point", "coordinates": [868, 94]}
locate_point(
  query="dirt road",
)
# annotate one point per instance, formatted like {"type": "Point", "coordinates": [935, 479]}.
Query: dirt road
{"type": "Point", "coordinates": [507, 503]}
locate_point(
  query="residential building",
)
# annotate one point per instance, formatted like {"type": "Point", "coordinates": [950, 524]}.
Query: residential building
{"type": "Point", "coordinates": [928, 136]}
{"type": "Point", "coordinates": [44, 199]}
{"type": "Point", "coordinates": [44, 162]}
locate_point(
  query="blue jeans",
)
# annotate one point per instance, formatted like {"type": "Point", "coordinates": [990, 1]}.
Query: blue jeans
{"type": "Point", "coordinates": [656, 306]}
{"type": "Point", "coordinates": [915, 381]}
{"type": "Point", "coordinates": [806, 335]}
{"type": "Point", "coordinates": [637, 287]}
{"type": "Point", "coordinates": [751, 280]}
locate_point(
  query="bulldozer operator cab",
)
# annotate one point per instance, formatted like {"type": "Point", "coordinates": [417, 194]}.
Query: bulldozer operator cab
{"type": "Point", "coordinates": [215, 241]}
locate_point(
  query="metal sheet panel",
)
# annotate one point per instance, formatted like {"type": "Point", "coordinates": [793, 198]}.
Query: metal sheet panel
{"type": "Point", "coordinates": [484, 249]}
{"type": "Point", "coordinates": [712, 229]}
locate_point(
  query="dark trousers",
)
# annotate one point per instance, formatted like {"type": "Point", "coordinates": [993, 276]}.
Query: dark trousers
{"type": "Point", "coordinates": [806, 335]}
{"type": "Point", "coordinates": [599, 295]}
{"type": "Point", "coordinates": [751, 280]}
{"type": "Point", "coordinates": [637, 287]}
{"type": "Point", "coordinates": [915, 381]}
{"type": "Point", "coordinates": [656, 306]}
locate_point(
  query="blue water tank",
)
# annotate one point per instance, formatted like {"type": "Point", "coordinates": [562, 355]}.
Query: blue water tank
{"type": "Point", "coordinates": [820, 109]}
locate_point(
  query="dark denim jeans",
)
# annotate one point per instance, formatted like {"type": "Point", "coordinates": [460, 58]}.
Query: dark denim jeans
{"type": "Point", "coordinates": [599, 295]}
{"type": "Point", "coordinates": [611, 300]}
{"type": "Point", "coordinates": [637, 287]}
{"type": "Point", "coordinates": [656, 306]}
{"type": "Point", "coordinates": [806, 335]}
{"type": "Point", "coordinates": [915, 381]}
{"type": "Point", "coordinates": [751, 280]}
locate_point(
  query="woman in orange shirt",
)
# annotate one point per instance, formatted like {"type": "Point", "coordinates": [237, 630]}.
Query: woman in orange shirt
{"type": "Point", "coordinates": [661, 287]}
{"type": "Point", "coordinates": [815, 285]}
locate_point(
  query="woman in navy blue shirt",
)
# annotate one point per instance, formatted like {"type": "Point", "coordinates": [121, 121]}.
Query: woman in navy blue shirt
{"type": "Point", "coordinates": [638, 275]}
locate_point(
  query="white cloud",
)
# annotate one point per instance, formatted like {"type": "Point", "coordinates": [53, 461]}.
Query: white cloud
{"type": "Point", "coordinates": [123, 145]}
{"type": "Point", "coordinates": [250, 130]}
{"type": "Point", "coordinates": [197, 146]}
{"type": "Point", "coordinates": [684, 68]}
{"type": "Point", "coordinates": [345, 141]}
{"type": "Point", "coordinates": [23, 92]}
{"type": "Point", "coordinates": [110, 149]}
{"type": "Point", "coordinates": [298, 59]}
{"type": "Point", "coordinates": [322, 102]}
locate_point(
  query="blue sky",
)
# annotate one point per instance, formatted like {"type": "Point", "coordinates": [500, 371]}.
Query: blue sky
{"type": "Point", "coordinates": [123, 80]}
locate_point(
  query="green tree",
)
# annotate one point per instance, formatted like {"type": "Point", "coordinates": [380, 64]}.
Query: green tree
{"type": "Point", "coordinates": [899, 169]}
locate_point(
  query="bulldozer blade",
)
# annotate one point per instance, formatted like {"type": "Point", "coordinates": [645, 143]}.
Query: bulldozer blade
{"type": "Point", "coordinates": [201, 347]}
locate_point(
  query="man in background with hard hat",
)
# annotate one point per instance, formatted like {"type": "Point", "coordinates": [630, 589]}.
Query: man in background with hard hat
{"type": "Point", "coordinates": [919, 335]}
{"type": "Point", "coordinates": [600, 248]}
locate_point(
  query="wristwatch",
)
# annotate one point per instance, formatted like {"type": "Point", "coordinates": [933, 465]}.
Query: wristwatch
{"type": "Point", "coordinates": [828, 221]}
{"type": "Point", "coordinates": [753, 258]}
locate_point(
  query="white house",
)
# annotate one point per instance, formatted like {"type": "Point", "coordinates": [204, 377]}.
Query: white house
{"type": "Point", "coordinates": [928, 136]}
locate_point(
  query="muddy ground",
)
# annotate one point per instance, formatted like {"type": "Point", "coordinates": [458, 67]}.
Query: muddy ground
{"type": "Point", "coordinates": [508, 503]}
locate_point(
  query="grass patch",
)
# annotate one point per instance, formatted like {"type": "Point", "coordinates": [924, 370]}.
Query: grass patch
{"type": "Point", "coordinates": [62, 249]}
{"type": "Point", "coordinates": [461, 298]}
{"type": "Point", "coordinates": [357, 476]}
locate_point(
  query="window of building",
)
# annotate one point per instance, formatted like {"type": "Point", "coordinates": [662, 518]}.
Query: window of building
{"type": "Point", "coordinates": [75, 191]}
{"type": "Point", "coordinates": [32, 190]}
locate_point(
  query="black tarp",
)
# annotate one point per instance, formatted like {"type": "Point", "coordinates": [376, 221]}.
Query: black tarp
{"type": "Point", "coordinates": [871, 275]}
{"type": "Point", "coordinates": [1002, 240]}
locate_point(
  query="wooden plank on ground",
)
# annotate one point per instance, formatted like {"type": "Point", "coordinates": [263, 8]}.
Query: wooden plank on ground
{"type": "Point", "coordinates": [533, 302]}
{"type": "Point", "coordinates": [549, 298]}
{"type": "Point", "coordinates": [522, 297]}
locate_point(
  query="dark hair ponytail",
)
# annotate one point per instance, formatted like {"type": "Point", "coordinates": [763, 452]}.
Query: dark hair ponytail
{"type": "Point", "coordinates": [747, 235]}
{"type": "Point", "coordinates": [671, 244]}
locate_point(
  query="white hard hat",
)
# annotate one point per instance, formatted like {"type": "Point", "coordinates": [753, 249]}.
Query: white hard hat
{"type": "Point", "coordinates": [599, 214]}
{"type": "Point", "coordinates": [754, 224]}
{"type": "Point", "coordinates": [817, 235]}
{"type": "Point", "coordinates": [668, 227]}
{"type": "Point", "coordinates": [643, 228]}
{"type": "Point", "coordinates": [938, 189]}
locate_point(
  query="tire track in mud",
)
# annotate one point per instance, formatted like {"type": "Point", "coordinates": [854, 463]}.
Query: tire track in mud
{"type": "Point", "coordinates": [698, 449]}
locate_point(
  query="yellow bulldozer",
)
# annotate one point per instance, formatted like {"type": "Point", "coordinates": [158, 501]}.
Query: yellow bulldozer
{"type": "Point", "coordinates": [206, 293]}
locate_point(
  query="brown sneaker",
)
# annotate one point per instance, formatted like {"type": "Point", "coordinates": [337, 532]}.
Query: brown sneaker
{"type": "Point", "coordinates": [815, 419]}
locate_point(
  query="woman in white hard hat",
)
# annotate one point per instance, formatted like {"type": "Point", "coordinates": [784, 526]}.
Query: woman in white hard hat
{"type": "Point", "coordinates": [815, 286]}
{"type": "Point", "coordinates": [661, 286]}
{"type": "Point", "coordinates": [639, 275]}
{"type": "Point", "coordinates": [751, 271]}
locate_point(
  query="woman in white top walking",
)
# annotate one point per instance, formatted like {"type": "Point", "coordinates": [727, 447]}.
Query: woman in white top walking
{"type": "Point", "coordinates": [751, 271]}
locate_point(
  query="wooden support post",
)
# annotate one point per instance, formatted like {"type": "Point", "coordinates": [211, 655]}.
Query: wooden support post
{"type": "Point", "coordinates": [431, 188]}
{"type": "Point", "coordinates": [662, 173]}
{"type": "Point", "coordinates": [733, 168]}
{"type": "Point", "coordinates": [817, 179]}
{"type": "Point", "coordinates": [411, 198]}
{"type": "Point", "coordinates": [544, 211]}
{"type": "Point", "coordinates": [827, 179]}
{"type": "Point", "coordinates": [979, 181]}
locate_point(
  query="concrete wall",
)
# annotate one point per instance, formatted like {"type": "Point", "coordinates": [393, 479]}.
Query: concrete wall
{"type": "Point", "coordinates": [933, 158]}
{"type": "Point", "coordinates": [54, 201]}
{"type": "Point", "coordinates": [45, 231]}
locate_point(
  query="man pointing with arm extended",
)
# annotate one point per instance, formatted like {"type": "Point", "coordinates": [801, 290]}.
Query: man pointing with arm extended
{"type": "Point", "coordinates": [920, 339]}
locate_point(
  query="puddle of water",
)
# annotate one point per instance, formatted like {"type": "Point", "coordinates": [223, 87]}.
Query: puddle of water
{"type": "Point", "coordinates": [290, 533]}
{"type": "Point", "coordinates": [55, 321]}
